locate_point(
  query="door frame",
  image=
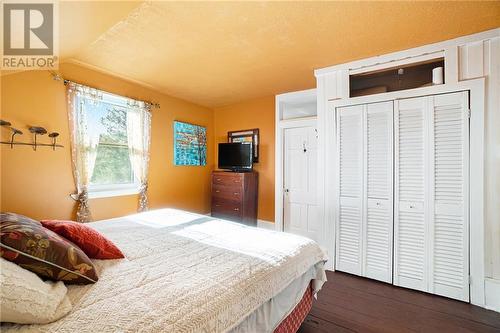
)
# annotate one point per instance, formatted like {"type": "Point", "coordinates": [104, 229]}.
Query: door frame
{"type": "Point", "coordinates": [476, 88]}
{"type": "Point", "coordinates": [281, 126]}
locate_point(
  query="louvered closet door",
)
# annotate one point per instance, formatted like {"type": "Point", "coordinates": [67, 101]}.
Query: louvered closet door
{"type": "Point", "coordinates": [410, 205]}
{"type": "Point", "coordinates": [378, 226]}
{"type": "Point", "coordinates": [449, 269]}
{"type": "Point", "coordinates": [431, 194]}
{"type": "Point", "coordinates": [350, 189]}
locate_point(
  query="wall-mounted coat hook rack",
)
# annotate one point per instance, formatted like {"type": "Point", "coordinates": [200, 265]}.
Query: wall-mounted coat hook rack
{"type": "Point", "coordinates": [36, 130]}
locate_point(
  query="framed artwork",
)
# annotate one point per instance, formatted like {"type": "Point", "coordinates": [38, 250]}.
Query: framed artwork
{"type": "Point", "coordinates": [190, 144]}
{"type": "Point", "coordinates": [251, 135]}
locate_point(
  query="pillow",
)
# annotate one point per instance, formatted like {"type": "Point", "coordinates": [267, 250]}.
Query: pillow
{"type": "Point", "coordinates": [26, 299]}
{"type": "Point", "coordinates": [89, 240]}
{"type": "Point", "coordinates": [31, 246]}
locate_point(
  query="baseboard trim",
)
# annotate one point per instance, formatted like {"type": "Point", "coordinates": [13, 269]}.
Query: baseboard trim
{"type": "Point", "coordinates": [492, 294]}
{"type": "Point", "coordinates": [266, 224]}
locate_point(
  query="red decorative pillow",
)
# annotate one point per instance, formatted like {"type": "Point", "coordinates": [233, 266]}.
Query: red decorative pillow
{"type": "Point", "coordinates": [94, 244]}
{"type": "Point", "coordinates": [27, 243]}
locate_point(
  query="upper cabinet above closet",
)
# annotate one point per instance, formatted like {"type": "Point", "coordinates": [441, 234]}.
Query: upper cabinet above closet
{"type": "Point", "coordinates": [410, 76]}
{"type": "Point", "coordinates": [456, 60]}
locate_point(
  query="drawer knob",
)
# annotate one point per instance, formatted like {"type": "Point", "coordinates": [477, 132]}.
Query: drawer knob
{"type": "Point", "coordinates": [218, 179]}
{"type": "Point", "coordinates": [236, 193]}
{"type": "Point", "coordinates": [378, 203]}
{"type": "Point", "coordinates": [236, 209]}
{"type": "Point", "coordinates": [217, 205]}
{"type": "Point", "coordinates": [217, 191]}
{"type": "Point", "coordinates": [411, 206]}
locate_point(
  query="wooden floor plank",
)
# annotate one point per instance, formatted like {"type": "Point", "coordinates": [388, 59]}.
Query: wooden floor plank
{"type": "Point", "coordinates": [351, 303]}
{"type": "Point", "coordinates": [432, 302]}
{"type": "Point", "coordinates": [317, 325]}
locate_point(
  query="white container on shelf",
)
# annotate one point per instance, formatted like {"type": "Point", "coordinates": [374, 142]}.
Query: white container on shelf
{"type": "Point", "coordinates": [437, 75]}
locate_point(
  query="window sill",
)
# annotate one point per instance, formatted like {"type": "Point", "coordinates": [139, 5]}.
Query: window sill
{"type": "Point", "coordinates": [113, 193]}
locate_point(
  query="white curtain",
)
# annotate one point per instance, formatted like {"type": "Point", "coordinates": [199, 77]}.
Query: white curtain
{"type": "Point", "coordinates": [84, 143]}
{"type": "Point", "coordinates": [139, 139]}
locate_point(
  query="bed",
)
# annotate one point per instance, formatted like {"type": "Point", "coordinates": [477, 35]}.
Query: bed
{"type": "Point", "coordinates": [186, 272]}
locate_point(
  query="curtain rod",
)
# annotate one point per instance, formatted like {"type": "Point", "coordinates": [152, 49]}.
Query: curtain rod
{"type": "Point", "coordinates": [58, 77]}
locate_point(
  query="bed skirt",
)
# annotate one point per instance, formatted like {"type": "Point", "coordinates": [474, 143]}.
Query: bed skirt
{"type": "Point", "coordinates": [292, 322]}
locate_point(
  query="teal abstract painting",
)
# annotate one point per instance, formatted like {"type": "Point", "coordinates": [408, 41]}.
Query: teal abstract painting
{"type": "Point", "coordinates": [190, 144]}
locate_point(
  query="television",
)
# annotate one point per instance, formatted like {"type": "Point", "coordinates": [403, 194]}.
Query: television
{"type": "Point", "coordinates": [235, 156]}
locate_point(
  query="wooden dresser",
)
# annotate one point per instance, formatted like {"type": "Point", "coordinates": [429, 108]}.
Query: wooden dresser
{"type": "Point", "coordinates": [234, 196]}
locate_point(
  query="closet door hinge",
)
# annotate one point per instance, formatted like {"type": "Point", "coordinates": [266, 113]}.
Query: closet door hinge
{"type": "Point", "coordinates": [468, 113]}
{"type": "Point", "coordinates": [470, 280]}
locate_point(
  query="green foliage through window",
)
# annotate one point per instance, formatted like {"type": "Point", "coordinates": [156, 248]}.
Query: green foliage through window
{"type": "Point", "coordinates": [112, 165]}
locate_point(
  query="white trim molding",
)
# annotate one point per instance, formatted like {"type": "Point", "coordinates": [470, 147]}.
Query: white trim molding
{"type": "Point", "coordinates": [281, 124]}
{"type": "Point", "coordinates": [492, 293]}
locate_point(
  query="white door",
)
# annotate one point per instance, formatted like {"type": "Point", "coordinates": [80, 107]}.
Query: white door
{"type": "Point", "coordinates": [364, 219]}
{"type": "Point", "coordinates": [378, 205]}
{"type": "Point", "coordinates": [431, 205]}
{"type": "Point", "coordinates": [349, 219]}
{"type": "Point", "coordinates": [300, 182]}
{"type": "Point", "coordinates": [449, 230]}
{"type": "Point", "coordinates": [411, 248]}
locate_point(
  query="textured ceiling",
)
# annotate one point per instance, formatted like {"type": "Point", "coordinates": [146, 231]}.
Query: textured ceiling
{"type": "Point", "coordinates": [81, 23]}
{"type": "Point", "coordinates": [219, 53]}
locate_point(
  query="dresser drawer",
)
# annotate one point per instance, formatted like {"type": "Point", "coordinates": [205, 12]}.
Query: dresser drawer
{"type": "Point", "coordinates": [227, 193]}
{"type": "Point", "coordinates": [226, 209]}
{"type": "Point", "coordinates": [227, 179]}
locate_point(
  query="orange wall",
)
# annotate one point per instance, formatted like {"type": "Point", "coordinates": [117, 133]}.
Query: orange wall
{"type": "Point", "coordinates": [257, 113]}
{"type": "Point", "coordinates": [38, 183]}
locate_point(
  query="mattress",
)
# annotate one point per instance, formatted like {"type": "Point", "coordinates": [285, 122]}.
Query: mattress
{"type": "Point", "coordinates": [185, 272]}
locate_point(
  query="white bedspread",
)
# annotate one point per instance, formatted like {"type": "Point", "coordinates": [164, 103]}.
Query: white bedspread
{"type": "Point", "coordinates": [183, 272]}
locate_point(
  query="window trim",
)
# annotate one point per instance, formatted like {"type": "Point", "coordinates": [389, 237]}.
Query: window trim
{"type": "Point", "coordinates": [113, 190]}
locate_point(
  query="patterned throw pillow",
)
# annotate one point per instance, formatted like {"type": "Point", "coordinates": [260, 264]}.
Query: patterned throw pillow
{"type": "Point", "coordinates": [27, 243]}
{"type": "Point", "coordinates": [91, 242]}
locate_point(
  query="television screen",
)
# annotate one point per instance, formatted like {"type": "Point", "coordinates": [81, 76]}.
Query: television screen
{"type": "Point", "coordinates": [235, 156]}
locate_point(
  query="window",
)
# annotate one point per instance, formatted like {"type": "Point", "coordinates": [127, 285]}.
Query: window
{"type": "Point", "coordinates": [107, 119]}
{"type": "Point", "coordinates": [110, 139]}
{"type": "Point", "coordinates": [112, 173]}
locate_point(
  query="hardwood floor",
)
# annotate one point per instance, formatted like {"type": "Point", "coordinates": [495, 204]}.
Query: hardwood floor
{"type": "Point", "coordinates": [349, 303]}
